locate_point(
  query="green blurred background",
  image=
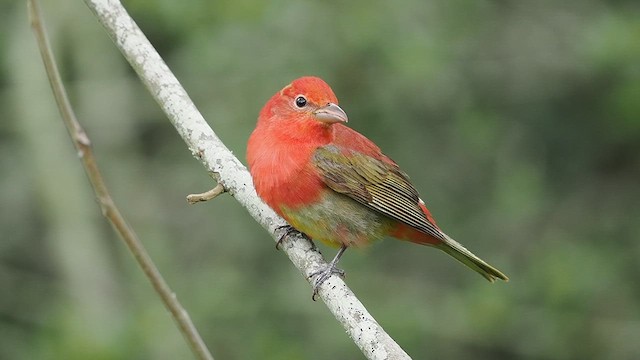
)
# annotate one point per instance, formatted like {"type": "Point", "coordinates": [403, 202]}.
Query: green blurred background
{"type": "Point", "coordinates": [519, 122]}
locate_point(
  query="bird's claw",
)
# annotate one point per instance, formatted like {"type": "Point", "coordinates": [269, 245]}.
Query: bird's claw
{"type": "Point", "coordinates": [288, 230]}
{"type": "Point", "coordinates": [323, 275]}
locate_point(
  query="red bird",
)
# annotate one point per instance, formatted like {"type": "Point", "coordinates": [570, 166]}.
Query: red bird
{"type": "Point", "coordinates": [335, 185]}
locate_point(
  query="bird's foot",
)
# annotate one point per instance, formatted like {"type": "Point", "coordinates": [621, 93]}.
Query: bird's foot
{"type": "Point", "coordinates": [323, 275]}
{"type": "Point", "coordinates": [287, 230]}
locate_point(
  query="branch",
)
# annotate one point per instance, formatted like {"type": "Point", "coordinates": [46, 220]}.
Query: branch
{"type": "Point", "coordinates": [368, 335]}
{"type": "Point", "coordinates": [109, 210]}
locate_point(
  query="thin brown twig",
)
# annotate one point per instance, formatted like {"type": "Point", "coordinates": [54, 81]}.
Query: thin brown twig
{"type": "Point", "coordinates": [109, 210]}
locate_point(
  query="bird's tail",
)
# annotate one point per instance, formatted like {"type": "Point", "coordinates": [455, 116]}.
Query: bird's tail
{"type": "Point", "coordinates": [466, 257]}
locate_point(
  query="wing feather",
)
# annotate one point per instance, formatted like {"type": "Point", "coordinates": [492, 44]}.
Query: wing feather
{"type": "Point", "coordinates": [379, 185]}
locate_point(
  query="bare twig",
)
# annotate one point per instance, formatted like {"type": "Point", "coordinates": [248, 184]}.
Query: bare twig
{"type": "Point", "coordinates": [368, 335]}
{"type": "Point", "coordinates": [109, 210]}
{"type": "Point", "coordinates": [205, 196]}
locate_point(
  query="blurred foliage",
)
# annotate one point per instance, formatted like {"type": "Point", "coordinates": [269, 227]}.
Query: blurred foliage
{"type": "Point", "coordinates": [518, 121]}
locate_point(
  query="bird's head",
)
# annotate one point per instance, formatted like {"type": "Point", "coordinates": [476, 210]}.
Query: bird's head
{"type": "Point", "coordinates": [307, 99]}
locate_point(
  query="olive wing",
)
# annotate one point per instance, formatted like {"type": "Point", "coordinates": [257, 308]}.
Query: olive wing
{"type": "Point", "coordinates": [379, 185]}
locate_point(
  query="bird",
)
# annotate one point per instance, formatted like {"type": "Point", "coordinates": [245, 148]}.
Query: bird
{"type": "Point", "coordinates": [333, 184]}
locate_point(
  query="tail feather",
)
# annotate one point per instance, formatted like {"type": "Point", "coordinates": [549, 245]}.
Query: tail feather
{"type": "Point", "coordinates": [466, 257]}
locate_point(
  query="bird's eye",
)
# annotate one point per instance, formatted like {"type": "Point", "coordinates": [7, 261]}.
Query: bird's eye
{"type": "Point", "coordinates": [301, 101]}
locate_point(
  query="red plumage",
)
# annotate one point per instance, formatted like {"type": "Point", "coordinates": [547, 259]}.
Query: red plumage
{"type": "Point", "coordinates": [334, 184]}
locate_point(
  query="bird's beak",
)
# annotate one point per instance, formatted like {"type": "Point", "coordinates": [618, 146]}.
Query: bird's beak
{"type": "Point", "coordinates": [330, 114]}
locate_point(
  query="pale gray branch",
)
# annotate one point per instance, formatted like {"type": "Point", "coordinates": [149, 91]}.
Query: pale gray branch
{"type": "Point", "coordinates": [368, 335]}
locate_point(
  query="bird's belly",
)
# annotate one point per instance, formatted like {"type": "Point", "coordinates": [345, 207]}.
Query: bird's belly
{"type": "Point", "coordinates": [337, 220]}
